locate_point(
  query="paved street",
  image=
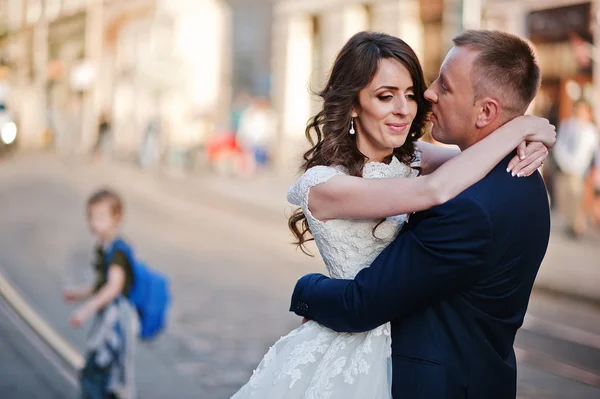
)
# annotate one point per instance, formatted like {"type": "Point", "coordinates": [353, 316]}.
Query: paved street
{"type": "Point", "coordinates": [29, 369]}
{"type": "Point", "coordinates": [232, 271]}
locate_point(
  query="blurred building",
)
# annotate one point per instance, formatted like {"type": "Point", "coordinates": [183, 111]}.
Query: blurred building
{"type": "Point", "coordinates": [251, 22]}
{"type": "Point", "coordinates": [307, 34]}
{"type": "Point", "coordinates": [179, 62]}
{"type": "Point", "coordinates": [565, 34]}
{"type": "Point", "coordinates": [136, 61]}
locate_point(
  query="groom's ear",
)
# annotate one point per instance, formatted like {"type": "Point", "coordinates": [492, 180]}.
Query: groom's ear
{"type": "Point", "coordinates": [489, 112]}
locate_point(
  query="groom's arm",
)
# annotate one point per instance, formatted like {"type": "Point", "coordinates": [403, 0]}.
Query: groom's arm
{"type": "Point", "coordinates": [438, 256]}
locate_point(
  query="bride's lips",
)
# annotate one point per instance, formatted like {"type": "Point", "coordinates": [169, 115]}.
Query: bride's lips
{"type": "Point", "coordinates": [397, 127]}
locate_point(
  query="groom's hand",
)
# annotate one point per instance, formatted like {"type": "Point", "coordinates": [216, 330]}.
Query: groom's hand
{"type": "Point", "coordinates": [305, 320]}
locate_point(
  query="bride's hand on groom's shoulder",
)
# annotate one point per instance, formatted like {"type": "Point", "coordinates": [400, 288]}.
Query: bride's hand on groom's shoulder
{"type": "Point", "coordinates": [530, 157]}
{"type": "Point", "coordinates": [539, 138]}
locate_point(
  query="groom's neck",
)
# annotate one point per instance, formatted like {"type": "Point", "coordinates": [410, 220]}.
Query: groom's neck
{"type": "Point", "coordinates": [477, 135]}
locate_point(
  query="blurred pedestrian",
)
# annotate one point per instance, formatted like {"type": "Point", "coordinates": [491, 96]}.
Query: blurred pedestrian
{"type": "Point", "coordinates": [549, 169]}
{"type": "Point", "coordinates": [576, 144]}
{"type": "Point", "coordinates": [592, 191]}
{"type": "Point", "coordinates": [596, 204]}
{"type": "Point", "coordinates": [257, 133]}
{"type": "Point", "coordinates": [224, 155]}
{"type": "Point", "coordinates": [108, 371]}
{"type": "Point", "coordinates": [103, 141]}
{"type": "Point", "coordinates": [149, 153]}
{"type": "Point", "coordinates": [240, 104]}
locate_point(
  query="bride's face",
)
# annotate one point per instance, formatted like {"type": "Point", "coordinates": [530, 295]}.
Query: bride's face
{"type": "Point", "coordinates": [387, 110]}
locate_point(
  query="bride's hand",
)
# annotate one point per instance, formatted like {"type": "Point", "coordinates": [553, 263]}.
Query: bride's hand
{"type": "Point", "coordinates": [539, 137]}
{"type": "Point", "coordinates": [535, 129]}
{"type": "Point", "coordinates": [529, 158]}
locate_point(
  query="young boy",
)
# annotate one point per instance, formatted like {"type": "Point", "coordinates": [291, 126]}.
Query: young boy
{"type": "Point", "coordinates": [108, 371]}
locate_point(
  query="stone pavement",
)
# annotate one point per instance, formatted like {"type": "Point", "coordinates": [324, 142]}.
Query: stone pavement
{"type": "Point", "coordinates": [218, 263]}
{"type": "Point", "coordinates": [26, 371]}
{"type": "Point", "coordinates": [571, 267]}
{"type": "Point", "coordinates": [230, 265]}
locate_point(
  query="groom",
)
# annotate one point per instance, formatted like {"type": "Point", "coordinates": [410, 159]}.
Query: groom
{"type": "Point", "coordinates": [456, 281]}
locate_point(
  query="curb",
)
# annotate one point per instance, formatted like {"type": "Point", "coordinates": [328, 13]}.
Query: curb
{"type": "Point", "coordinates": [64, 349]}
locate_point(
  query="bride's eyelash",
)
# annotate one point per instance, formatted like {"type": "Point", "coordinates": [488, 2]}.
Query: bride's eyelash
{"type": "Point", "coordinates": [385, 98]}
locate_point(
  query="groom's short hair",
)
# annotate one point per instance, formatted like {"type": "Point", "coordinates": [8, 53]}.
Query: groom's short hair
{"type": "Point", "coordinates": [505, 68]}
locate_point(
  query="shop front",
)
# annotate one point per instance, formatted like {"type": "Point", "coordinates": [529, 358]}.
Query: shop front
{"type": "Point", "coordinates": [564, 40]}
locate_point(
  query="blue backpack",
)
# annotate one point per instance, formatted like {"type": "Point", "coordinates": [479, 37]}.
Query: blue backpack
{"type": "Point", "coordinates": [149, 292]}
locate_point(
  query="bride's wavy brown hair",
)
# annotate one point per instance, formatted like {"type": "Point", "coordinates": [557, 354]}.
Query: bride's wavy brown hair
{"type": "Point", "coordinates": [327, 132]}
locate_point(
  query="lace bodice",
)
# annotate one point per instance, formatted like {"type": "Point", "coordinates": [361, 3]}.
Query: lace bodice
{"type": "Point", "coordinates": [348, 245]}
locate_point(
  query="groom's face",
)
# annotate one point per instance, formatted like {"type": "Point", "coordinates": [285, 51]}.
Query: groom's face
{"type": "Point", "coordinates": [452, 96]}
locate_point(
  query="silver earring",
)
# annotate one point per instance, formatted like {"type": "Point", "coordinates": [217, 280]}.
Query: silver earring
{"type": "Point", "coordinates": [352, 131]}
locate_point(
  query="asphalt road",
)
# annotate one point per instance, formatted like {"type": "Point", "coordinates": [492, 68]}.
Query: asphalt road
{"type": "Point", "coordinates": [231, 275]}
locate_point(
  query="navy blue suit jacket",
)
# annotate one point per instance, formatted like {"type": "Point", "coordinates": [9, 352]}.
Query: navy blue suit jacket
{"type": "Point", "coordinates": [455, 284]}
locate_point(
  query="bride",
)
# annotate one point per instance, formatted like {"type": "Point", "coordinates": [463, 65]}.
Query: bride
{"type": "Point", "coordinates": [373, 114]}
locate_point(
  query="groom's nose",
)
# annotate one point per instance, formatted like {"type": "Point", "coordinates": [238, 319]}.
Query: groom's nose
{"type": "Point", "coordinates": [431, 95]}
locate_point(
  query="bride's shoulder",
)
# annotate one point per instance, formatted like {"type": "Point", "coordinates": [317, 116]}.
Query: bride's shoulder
{"type": "Point", "coordinates": [298, 192]}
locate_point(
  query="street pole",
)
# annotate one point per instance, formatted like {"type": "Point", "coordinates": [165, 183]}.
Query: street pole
{"type": "Point", "coordinates": [35, 133]}
{"type": "Point", "coordinates": [94, 37]}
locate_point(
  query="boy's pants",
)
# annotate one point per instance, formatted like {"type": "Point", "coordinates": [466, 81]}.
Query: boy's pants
{"type": "Point", "coordinates": [94, 380]}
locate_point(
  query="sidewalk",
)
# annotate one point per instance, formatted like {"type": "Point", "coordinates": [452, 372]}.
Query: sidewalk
{"type": "Point", "coordinates": [263, 197]}
{"type": "Point", "coordinates": [570, 267]}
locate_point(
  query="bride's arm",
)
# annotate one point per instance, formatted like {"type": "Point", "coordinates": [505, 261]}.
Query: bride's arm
{"type": "Point", "coordinates": [353, 197]}
{"type": "Point", "coordinates": [433, 156]}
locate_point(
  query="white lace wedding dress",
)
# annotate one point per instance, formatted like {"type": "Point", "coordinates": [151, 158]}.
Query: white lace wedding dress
{"type": "Point", "coordinates": [314, 362]}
